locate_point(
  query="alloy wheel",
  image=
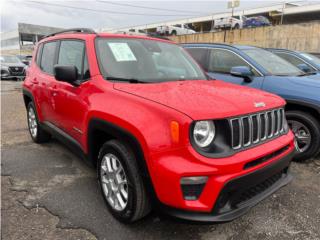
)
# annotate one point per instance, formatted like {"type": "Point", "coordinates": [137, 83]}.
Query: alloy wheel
{"type": "Point", "coordinates": [302, 135]}
{"type": "Point", "coordinates": [114, 182]}
{"type": "Point", "coordinates": [33, 125]}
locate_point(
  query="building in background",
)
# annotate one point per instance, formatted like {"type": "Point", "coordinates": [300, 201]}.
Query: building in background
{"type": "Point", "coordinates": [24, 38]}
{"type": "Point", "coordinates": [287, 13]}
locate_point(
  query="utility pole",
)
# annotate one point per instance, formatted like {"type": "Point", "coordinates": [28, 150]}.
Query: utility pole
{"type": "Point", "coordinates": [233, 4]}
{"type": "Point", "coordinates": [282, 12]}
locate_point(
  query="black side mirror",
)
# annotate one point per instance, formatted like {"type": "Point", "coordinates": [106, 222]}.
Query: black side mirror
{"type": "Point", "coordinates": [304, 67]}
{"type": "Point", "coordinates": [243, 72]}
{"type": "Point", "coordinates": [66, 73]}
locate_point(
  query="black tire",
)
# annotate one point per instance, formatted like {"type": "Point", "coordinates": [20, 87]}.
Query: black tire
{"type": "Point", "coordinates": [138, 203]}
{"type": "Point", "coordinates": [237, 26]}
{"type": "Point", "coordinates": [313, 126]}
{"type": "Point", "coordinates": [174, 33]}
{"type": "Point", "coordinates": [41, 135]}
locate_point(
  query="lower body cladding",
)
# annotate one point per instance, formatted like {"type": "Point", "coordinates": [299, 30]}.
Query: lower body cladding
{"type": "Point", "coordinates": [193, 187]}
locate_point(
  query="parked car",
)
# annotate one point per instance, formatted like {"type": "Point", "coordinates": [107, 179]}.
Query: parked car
{"type": "Point", "coordinates": [177, 29]}
{"type": "Point", "coordinates": [235, 22]}
{"type": "Point", "coordinates": [306, 62]}
{"type": "Point", "coordinates": [259, 21]}
{"type": "Point", "coordinates": [134, 31]}
{"type": "Point", "coordinates": [158, 131]}
{"type": "Point", "coordinates": [12, 68]}
{"type": "Point", "coordinates": [26, 59]}
{"type": "Point", "coordinates": [258, 68]}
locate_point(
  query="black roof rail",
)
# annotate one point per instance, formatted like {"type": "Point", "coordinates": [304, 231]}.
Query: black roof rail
{"type": "Point", "coordinates": [72, 30]}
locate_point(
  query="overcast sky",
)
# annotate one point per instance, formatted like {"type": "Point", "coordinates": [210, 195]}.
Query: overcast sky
{"type": "Point", "coordinates": [109, 14]}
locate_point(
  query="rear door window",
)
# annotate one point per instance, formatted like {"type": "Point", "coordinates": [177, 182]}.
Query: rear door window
{"type": "Point", "coordinates": [48, 57]}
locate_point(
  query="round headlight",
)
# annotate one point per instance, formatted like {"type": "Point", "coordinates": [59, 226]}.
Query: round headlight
{"type": "Point", "coordinates": [203, 133]}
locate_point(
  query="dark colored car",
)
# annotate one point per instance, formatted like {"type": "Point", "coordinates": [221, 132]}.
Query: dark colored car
{"type": "Point", "coordinates": [259, 68]}
{"type": "Point", "coordinates": [258, 21]}
{"type": "Point", "coordinates": [305, 61]}
{"type": "Point", "coordinates": [145, 115]}
{"type": "Point", "coordinates": [12, 67]}
{"type": "Point", "coordinates": [26, 59]}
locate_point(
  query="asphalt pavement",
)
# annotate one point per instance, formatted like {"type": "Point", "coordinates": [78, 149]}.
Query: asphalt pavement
{"type": "Point", "coordinates": [49, 193]}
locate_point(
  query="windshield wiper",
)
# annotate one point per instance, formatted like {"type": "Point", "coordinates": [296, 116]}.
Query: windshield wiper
{"type": "Point", "coordinates": [130, 80]}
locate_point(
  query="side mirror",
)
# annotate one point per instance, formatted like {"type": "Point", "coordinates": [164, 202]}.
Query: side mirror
{"type": "Point", "coordinates": [243, 72]}
{"type": "Point", "coordinates": [304, 67]}
{"type": "Point", "coordinates": [66, 73]}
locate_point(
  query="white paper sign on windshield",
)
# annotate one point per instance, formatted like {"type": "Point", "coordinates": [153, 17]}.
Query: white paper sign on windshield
{"type": "Point", "coordinates": [122, 52]}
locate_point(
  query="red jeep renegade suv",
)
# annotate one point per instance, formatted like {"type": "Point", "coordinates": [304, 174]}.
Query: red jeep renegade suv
{"type": "Point", "coordinates": [156, 128]}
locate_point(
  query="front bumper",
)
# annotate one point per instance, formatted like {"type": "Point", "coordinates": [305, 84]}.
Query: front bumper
{"type": "Point", "coordinates": [241, 194]}
{"type": "Point", "coordinates": [230, 179]}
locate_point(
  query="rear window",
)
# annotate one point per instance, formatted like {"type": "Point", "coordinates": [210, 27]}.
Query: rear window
{"type": "Point", "coordinates": [48, 57]}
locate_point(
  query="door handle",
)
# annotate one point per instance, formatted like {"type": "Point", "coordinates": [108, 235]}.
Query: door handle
{"type": "Point", "coordinates": [35, 81]}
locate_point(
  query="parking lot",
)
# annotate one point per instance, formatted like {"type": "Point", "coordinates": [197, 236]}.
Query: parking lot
{"type": "Point", "coordinates": [49, 193]}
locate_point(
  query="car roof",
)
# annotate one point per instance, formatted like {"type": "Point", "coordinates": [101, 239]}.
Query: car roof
{"type": "Point", "coordinates": [81, 35]}
{"type": "Point", "coordinates": [280, 49]}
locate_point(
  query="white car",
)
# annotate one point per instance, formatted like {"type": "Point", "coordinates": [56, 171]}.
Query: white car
{"type": "Point", "coordinates": [133, 31]}
{"type": "Point", "coordinates": [235, 22]}
{"type": "Point", "coordinates": [177, 29]}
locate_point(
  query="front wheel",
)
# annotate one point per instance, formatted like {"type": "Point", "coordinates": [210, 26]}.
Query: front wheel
{"type": "Point", "coordinates": [306, 129]}
{"type": "Point", "coordinates": [120, 182]}
{"type": "Point", "coordinates": [37, 134]}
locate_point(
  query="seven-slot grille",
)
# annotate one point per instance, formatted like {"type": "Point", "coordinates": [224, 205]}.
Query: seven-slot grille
{"type": "Point", "coordinates": [256, 128]}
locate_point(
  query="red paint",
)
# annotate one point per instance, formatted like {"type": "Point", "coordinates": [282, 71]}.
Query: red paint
{"type": "Point", "coordinates": [147, 111]}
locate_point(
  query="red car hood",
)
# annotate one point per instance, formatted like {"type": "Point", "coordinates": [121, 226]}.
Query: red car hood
{"type": "Point", "coordinates": [204, 99]}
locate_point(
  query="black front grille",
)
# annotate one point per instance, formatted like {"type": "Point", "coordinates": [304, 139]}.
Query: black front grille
{"type": "Point", "coordinates": [265, 158]}
{"type": "Point", "coordinates": [16, 69]}
{"type": "Point", "coordinates": [257, 189]}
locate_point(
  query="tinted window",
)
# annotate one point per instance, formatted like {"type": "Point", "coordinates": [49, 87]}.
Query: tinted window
{"type": "Point", "coordinates": [200, 55]}
{"type": "Point", "coordinates": [222, 61]}
{"type": "Point", "coordinates": [290, 58]}
{"type": "Point", "coordinates": [272, 63]}
{"type": "Point", "coordinates": [48, 57]}
{"type": "Point", "coordinates": [71, 53]}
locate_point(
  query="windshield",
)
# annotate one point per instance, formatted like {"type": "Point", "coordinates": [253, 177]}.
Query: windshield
{"type": "Point", "coordinates": [9, 59]}
{"type": "Point", "coordinates": [272, 63]}
{"type": "Point", "coordinates": [312, 58]}
{"type": "Point", "coordinates": [145, 60]}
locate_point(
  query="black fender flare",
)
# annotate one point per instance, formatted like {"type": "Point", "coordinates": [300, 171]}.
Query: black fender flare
{"type": "Point", "coordinates": [304, 104]}
{"type": "Point", "coordinates": [116, 132]}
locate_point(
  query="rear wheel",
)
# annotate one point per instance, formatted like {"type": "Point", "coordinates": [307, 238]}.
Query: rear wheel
{"type": "Point", "coordinates": [120, 182]}
{"type": "Point", "coordinates": [174, 32]}
{"type": "Point", "coordinates": [37, 134]}
{"type": "Point", "coordinates": [307, 134]}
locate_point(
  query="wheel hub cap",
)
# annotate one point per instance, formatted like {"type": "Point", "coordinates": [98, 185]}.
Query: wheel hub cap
{"type": "Point", "coordinates": [302, 135]}
{"type": "Point", "coordinates": [114, 182]}
{"type": "Point", "coordinates": [33, 126]}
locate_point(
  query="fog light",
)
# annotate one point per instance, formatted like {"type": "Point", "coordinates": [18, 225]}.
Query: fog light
{"type": "Point", "coordinates": [192, 187]}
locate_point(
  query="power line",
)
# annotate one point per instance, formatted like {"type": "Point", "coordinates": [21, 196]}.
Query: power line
{"type": "Point", "coordinates": [105, 11]}
{"type": "Point", "coordinates": [145, 7]}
